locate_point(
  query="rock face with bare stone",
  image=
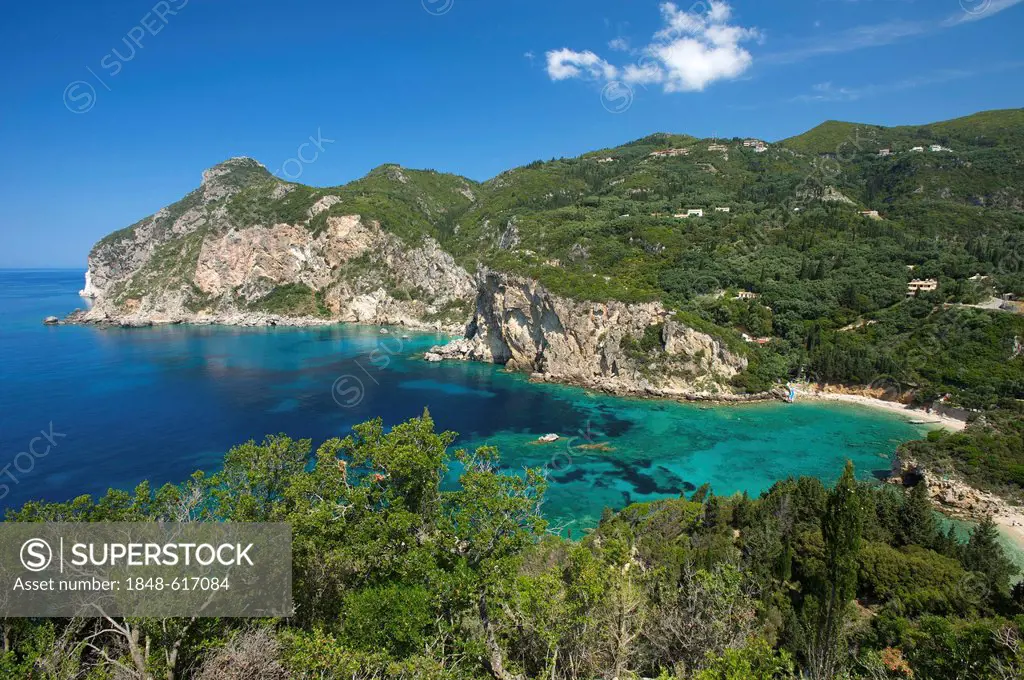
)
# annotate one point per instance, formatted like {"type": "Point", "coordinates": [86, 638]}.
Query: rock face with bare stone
{"type": "Point", "coordinates": [246, 248]}
{"type": "Point", "coordinates": [199, 262]}
{"type": "Point", "coordinates": [520, 324]}
{"type": "Point", "coordinates": [951, 495]}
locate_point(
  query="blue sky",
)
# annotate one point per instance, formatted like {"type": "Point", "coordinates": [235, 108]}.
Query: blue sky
{"type": "Point", "coordinates": [114, 107]}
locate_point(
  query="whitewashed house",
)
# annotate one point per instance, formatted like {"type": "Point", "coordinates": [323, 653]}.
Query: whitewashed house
{"type": "Point", "coordinates": [921, 286]}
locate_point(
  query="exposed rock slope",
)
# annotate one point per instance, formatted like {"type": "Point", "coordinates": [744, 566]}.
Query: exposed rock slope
{"type": "Point", "coordinates": [214, 257]}
{"type": "Point", "coordinates": [613, 346]}
{"type": "Point", "coordinates": [247, 249]}
{"type": "Point", "coordinates": [950, 494]}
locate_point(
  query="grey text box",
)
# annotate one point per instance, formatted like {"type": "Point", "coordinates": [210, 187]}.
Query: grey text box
{"type": "Point", "coordinates": [145, 569]}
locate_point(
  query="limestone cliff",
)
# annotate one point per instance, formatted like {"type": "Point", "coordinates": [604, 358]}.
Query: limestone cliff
{"type": "Point", "coordinates": [215, 257]}
{"type": "Point", "coordinates": [248, 249]}
{"type": "Point", "coordinates": [613, 346]}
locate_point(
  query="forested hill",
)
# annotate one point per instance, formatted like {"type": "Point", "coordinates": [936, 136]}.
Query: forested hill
{"type": "Point", "coordinates": [821, 233]}
{"type": "Point", "coordinates": [832, 282]}
{"type": "Point", "coordinates": [610, 213]}
{"type": "Point", "coordinates": [989, 128]}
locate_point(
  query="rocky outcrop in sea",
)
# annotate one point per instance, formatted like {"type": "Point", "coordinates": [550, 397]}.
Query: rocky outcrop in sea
{"type": "Point", "coordinates": [615, 347]}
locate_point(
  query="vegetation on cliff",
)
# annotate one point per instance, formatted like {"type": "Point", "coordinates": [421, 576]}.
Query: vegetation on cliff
{"type": "Point", "coordinates": [988, 455]}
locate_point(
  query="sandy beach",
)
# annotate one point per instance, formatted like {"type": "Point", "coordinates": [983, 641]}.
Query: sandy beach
{"type": "Point", "coordinates": [952, 424]}
{"type": "Point", "coordinates": [1009, 518]}
{"type": "Point", "coordinates": [1011, 524]}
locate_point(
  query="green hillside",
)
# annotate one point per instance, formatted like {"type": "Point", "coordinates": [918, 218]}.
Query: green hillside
{"type": "Point", "coordinates": [783, 222]}
{"type": "Point", "coordinates": [988, 128]}
{"type": "Point", "coordinates": [410, 203]}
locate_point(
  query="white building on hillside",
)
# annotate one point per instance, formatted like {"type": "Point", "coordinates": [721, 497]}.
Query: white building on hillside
{"type": "Point", "coordinates": [921, 286]}
{"type": "Point", "coordinates": [670, 153]}
{"type": "Point", "coordinates": [692, 212]}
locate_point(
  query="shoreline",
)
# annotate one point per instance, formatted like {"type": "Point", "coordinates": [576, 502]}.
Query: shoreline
{"type": "Point", "coordinates": [945, 422]}
{"type": "Point", "coordinates": [1009, 519]}
{"type": "Point", "coordinates": [82, 318]}
{"type": "Point", "coordinates": [1011, 525]}
{"type": "Point", "coordinates": [253, 320]}
{"type": "Point", "coordinates": [958, 500]}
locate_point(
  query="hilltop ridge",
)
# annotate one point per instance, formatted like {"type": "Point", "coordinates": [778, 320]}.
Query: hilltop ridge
{"type": "Point", "coordinates": [794, 257]}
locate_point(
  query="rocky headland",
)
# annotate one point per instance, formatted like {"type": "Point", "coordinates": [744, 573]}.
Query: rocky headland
{"type": "Point", "coordinates": [247, 249]}
{"type": "Point", "coordinates": [199, 262]}
{"type": "Point", "coordinates": [956, 498]}
{"type": "Point", "coordinates": [615, 347]}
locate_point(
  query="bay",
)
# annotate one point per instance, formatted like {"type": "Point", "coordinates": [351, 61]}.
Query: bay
{"type": "Point", "coordinates": [126, 405]}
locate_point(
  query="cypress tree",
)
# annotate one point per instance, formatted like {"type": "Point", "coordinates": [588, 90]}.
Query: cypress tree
{"type": "Point", "coordinates": [947, 543]}
{"type": "Point", "coordinates": [841, 528]}
{"type": "Point", "coordinates": [743, 513]}
{"type": "Point", "coordinates": [712, 512]}
{"type": "Point", "coordinates": [785, 563]}
{"type": "Point", "coordinates": [917, 520]}
{"type": "Point", "coordinates": [984, 555]}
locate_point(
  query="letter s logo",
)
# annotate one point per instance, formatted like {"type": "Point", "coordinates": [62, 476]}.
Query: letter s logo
{"type": "Point", "coordinates": [36, 554]}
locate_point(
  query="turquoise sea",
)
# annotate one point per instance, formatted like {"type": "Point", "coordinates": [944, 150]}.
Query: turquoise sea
{"type": "Point", "coordinates": [158, 403]}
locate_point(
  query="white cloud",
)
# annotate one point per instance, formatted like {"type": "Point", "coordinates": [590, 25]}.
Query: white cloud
{"type": "Point", "coordinates": [890, 32]}
{"type": "Point", "coordinates": [856, 38]}
{"type": "Point", "coordinates": [566, 63]}
{"type": "Point", "coordinates": [644, 72]}
{"type": "Point", "coordinates": [720, 12]}
{"type": "Point", "coordinates": [827, 92]}
{"type": "Point", "coordinates": [619, 45]}
{"type": "Point", "coordinates": [693, 50]}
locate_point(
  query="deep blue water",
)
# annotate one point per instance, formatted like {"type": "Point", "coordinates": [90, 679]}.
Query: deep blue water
{"type": "Point", "coordinates": [159, 403]}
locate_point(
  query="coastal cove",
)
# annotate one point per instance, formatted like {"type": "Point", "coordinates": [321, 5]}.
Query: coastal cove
{"type": "Point", "coordinates": [158, 403]}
